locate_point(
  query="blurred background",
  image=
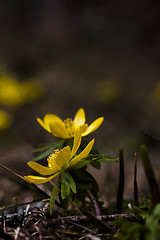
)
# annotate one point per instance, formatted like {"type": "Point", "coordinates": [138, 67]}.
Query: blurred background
{"type": "Point", "coordinates": [58, 56]}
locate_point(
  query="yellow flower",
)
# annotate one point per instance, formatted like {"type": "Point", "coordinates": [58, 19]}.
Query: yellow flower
{"type": "Point", "coordinates": [14, 93]}
{"type": "Point", "coordinates": [66, 129]}
{"type": "Point", "coordinates": [5, 120]}
{"type": "Point", "coordinates": [60, 160]}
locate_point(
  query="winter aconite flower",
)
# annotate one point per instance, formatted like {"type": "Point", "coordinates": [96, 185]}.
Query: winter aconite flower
{"type": "Point", "coordinates": [60, 160]}
{"type": "Point", "coordinates": [66, 129]}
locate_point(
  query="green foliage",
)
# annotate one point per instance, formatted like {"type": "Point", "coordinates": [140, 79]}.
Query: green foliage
{"type": "Point", "coordinates": [154, 188]}
{"type": "Point", "coordinates": [75, 180]}
{"type": "Point", "coordinates": [50, 148]}
{"type": "Point", "coordinates": [144, 209]}
{"type": "Point", "coordinates": [53, 196]}
{"type": "Point", "coordinates": [84, 180]}
{"type": "Point", "coordinates": [150, 230]}
{"type": "Point", "coordinates": [94, 160]}
{"type": "Point", "coordinates": [73, 185]}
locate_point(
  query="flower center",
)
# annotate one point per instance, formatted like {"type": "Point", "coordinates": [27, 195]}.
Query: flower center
{"type": "Point", "coordinates": [69, 124]}
{"type": "Point", "coordinates": [51, 158]}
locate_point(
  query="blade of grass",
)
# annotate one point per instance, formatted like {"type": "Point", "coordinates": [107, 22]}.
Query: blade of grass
{"type": "Point", "coordinates": [121, 182]}
{"type": "Point", "coordinates": [7, 206]}
{"type": "Point", "coordinates": [153, 185]}
{"type": "Point", "coordinates": [135, 181]}
{"type": "Point", "coordinates": [22, 204]}
{"type": "Point", "coordinates": [32, 184]}
{"type": "Point", "coordinates": [14, 173]}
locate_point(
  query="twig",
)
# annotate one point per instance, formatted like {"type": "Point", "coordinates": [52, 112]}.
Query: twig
{"type": "Point", "coordinates": [95, 203]}
{"type": "Point", "coordinates": [83, 219]}
{"type": "Point", "coordinates": [104, 226]}
{"type": "Point", "coordinates": [80, 226]}
{"type": "Point", "coordinates": [151, 137]}
{"type": "Point", "coordinates": [17, 219]}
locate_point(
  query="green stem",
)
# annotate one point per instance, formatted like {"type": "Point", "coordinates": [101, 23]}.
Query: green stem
{"type": "Point", "coordinates": [135, 181]}
{"type": "Point", "coordinates": [154, 189]}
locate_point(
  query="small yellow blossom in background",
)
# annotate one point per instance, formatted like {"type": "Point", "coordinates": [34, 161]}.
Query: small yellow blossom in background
{"type": "Point", "coordinates": [66, 129]}
{"type": "Point", "coordinates": [60, 160]}
{"type": "Point", "coordinates": [108, 90]}
{"type": "Point", "coordinates": [10, 91]}
{"type": "Point", "coordinates": [5, 120]}
{"type": "Point", "coordinates": [14, 93]}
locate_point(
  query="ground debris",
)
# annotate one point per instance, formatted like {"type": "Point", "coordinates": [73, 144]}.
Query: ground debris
{"type": "Point", "coordinates": [39, 224]}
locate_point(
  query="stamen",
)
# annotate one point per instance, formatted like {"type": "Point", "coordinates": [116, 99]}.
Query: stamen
{"type": "Point", "coordinates": [69, 124]}
{"type": "Point", "coordinates": [51, 158]}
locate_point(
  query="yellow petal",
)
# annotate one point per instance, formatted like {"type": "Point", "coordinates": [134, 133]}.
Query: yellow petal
{"type": "Point", "coordinates": [63, 157]}
{"type": "Point", "coordinates": [94, 125]}
{"type": "Point", "coordinates": [58, 129]}
{"type": "Point", "coordinates": [49, 118]}
{"type": "Point", "coordinates": [41, 169]}
{"type": "Point", "coordinates": [79, 118]}
{"type": "Point", "coordinates": [77, 141]}
{"type": "Point", "coordinates": [43, 125]}
{"type": "Point", "coordinates": [83, 127]}
{"type": "Point", "coordinates": [83, 154]}
{"type": "Point", "coordinates": [38, 180]}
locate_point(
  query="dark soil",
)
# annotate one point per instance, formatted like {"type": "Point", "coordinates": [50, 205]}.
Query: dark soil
{"type": "Point", "coordinates": [39, 224]}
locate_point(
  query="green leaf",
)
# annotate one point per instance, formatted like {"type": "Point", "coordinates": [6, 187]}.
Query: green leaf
{"type": "Point", "coordinates": [65, 186]}
{"type": "Point", "coordinates": [56, 145]}
{"type": "Point", "coordinates": [93, 160]}
{"type": "Point", "coordinates": [70, 181]}
{"type": "Point", "coordinates": [84, 185]}
{"type": "Point", "coordinates": [100, 158]}
{"type": "Point", "coordinates": [152, 222]}
{"type": "Point", "coordinates": [43, 147]}
{"type": "Point", "coordinates": [96, 164]}
{"type": "Point", "coordinates": [84, 180]}
{"type": "Point", "coordinates": [156, 211]}
{"type": "Point", "coordinates": [79, 165]}
{"type": "Point", "coordinates": [107, 159]}
{"type": "Point", "coordinates": [53, 197]}
{"type": "Point", "coordinates": [65, 190]}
